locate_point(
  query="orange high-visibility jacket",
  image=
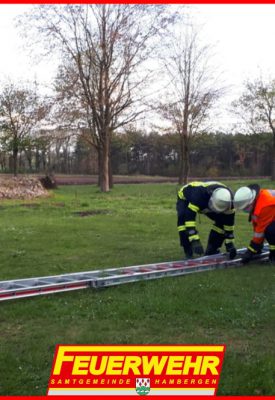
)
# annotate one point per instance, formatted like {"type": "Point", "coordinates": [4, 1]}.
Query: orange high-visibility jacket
{"type": "Point", "coordinates": [263, 214]}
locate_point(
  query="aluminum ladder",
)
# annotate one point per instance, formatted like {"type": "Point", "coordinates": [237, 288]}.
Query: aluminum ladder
{"type": "Point", "coordinates": [21, 288]}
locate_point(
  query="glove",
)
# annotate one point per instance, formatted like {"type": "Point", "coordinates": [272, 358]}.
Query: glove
{"type": "Point", "coordinates": [231, 250]}
{"type": "Point", "coordinates": [197, 247]}
{"type": "Point", "coordinates": [247, 257]}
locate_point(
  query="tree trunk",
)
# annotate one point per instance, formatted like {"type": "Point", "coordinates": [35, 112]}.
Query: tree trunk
{"type": "Point", "coordinates": [103, 172]}
{"type": "Point", "coordinates": [181, 173]}
{"type": "Point", "coordinates": [273, 160]}
{"type": "Point", "coordinates": [184, 160]}
{"type": "Point", "coordinates": [111, 181]}
{"type": "Point", "coordinates": [15, 160]}
{"type": "Point", "coordinates": [37, 160]}
{"type": "Point", "coordinates": [28, 155]}
{"type": "Point", "coordinates": [186, 165]}
{"type": "Point", "coordinates": [99, 166]}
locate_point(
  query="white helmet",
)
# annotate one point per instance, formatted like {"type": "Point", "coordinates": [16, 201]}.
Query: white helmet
{"type": "Point", "coordinates": [220, 200]}
{"type": "Point", "coordinates": [244, 198]}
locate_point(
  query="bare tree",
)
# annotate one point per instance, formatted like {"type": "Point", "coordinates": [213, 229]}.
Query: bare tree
{"type": "Point", "coordinates": [107, 45]}
{"type": "Point", "coordinates": [20, 112]}
{"type": "Point", "coordinates": [192, 90]}
{"type": "Point", "coordinates": [256, 107]}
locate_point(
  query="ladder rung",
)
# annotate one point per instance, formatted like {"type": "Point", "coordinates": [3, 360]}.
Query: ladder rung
{"type": "Point", "coordinates": [114, 276]}
{"type": "Point", "coordinates": [14, 286]}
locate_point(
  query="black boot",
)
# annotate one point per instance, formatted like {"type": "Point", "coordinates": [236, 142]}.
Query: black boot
{"type": "Point", "coordinates": [272, 257]}
{"type": "Point", "coordinates": [188, 252]}
{"type": "Point", "coordinates": [210, 250]}
{"type": "Point", "coordinates": [185, 244]}
{"type": "Point", "coordinates": [269, 236]}
{"type": "Point", "coordinates": [215, 241]}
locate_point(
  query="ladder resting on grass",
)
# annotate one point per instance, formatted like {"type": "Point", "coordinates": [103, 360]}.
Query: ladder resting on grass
{"type": "Point", "coordinates": [20, 288]}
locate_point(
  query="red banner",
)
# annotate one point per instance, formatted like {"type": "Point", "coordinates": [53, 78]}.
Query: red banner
{"type": "Point", "coordinates": [136, 369]}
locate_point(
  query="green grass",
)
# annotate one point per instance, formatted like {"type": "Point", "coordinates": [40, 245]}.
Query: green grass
{"type": "Point", "coordinates": [134, 224]}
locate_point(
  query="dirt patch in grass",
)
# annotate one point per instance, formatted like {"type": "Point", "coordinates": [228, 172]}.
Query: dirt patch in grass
{"type": "Point", "coordinates": [30, 205]}
{"type": "Point", "coordinates": [58, 204]}
{"type": "Point", "coordinates": [89, 213]}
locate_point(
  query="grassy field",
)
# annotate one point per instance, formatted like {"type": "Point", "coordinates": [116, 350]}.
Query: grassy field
{"type": "Point", "coordinates": [134, 224]}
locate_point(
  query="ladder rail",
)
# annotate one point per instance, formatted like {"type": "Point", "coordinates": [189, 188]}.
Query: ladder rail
{"type": "Point", "coordinates": [28, 287]}
{"type": "Point", "coordinates": [175, 270]}
{"type": "Point", "coordinates": [95, 273]}
{"type": "Point", "coordinates": [58, 280]}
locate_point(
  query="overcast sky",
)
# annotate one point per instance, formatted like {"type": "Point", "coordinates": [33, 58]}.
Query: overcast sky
{"type": "Point", "coordinates": [243, 36]}
{"type": "Point", "coordinates": [15, 61]}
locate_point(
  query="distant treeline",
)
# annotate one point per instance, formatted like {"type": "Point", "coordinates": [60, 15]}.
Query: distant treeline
{"type": "Point", "coordinates": [135, 152]}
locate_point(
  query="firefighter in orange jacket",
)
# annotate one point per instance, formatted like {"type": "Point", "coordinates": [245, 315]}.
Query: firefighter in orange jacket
{"type": "Point", "coordinates": [260, 203]}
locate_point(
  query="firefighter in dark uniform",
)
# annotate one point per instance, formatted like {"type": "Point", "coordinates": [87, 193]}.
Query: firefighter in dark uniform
{"type": "Point", "coordinates": [260, 204]}
{"type": "Point", "coordinates": [215, 200]}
